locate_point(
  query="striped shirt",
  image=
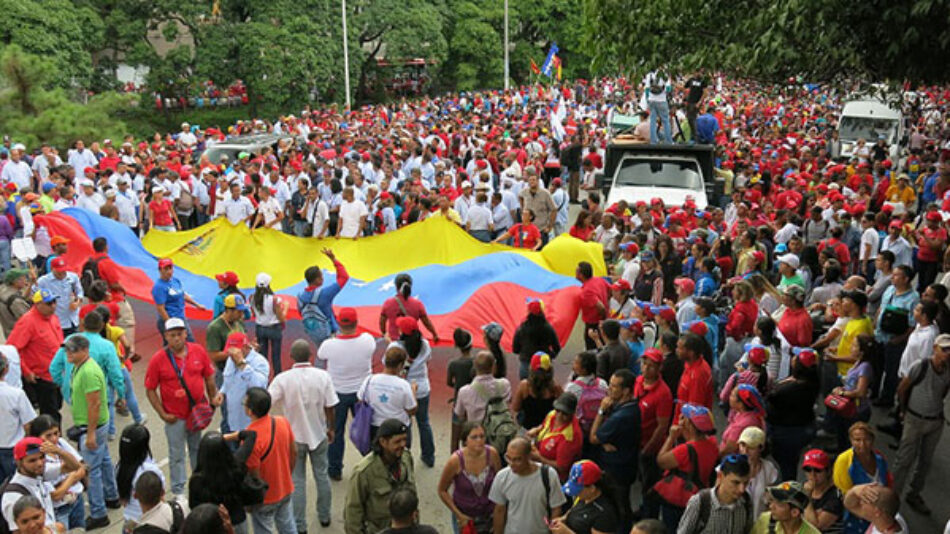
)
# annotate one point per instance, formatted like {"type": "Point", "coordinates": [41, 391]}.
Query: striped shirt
{"type": "Point", "coordinates": [735, 518]}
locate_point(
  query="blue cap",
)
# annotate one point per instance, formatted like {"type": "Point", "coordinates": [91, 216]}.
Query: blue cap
{"type": "Point", "coordinates": [781, 248]}
{"type": "Point", "coordinates": [647, 255]}
{"type": "Point", "coordinates": [583, 473]}
{"type": "Point", "coordinates": [43, 296]}
{"type": "Point", "coordinates": [48, 186]}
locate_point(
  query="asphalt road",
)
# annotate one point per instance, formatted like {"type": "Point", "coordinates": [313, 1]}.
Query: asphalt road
{"type": "Point", "coordinates": [433, 512]}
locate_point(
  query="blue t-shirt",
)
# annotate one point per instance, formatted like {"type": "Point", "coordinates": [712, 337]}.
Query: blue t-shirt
{"type": "Point", "coordinates": [706, 128]}
{"type": "Point", "coordinates": [172, 295]}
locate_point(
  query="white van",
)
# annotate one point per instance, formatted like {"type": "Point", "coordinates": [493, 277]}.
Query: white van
{"type": "Point", "coordinates": [868, 120]}
{"type": "Point", "coordinates": [639, 171]}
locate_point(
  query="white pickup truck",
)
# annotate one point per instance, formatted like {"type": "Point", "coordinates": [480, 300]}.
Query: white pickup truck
{"type": "Point", "coordinates": [639, 171]}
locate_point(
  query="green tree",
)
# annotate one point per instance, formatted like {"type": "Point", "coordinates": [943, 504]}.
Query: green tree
{"type": "Point", "coordinates": [819, 40]}
{"type": "Point", "coordinates": [32, 114]}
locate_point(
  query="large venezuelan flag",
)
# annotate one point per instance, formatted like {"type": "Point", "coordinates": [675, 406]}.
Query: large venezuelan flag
{"type": "Point", "coordinates": [463, 282]}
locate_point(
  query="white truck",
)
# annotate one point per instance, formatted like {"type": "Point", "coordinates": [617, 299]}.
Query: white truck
{"type": "Point", "coordinates": [870, 119]}
{"type": "Point", "coordinates": [638, 171]}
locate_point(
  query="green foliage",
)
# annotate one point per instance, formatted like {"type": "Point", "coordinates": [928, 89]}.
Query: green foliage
{"type": "Point", "coordinates": [32, 114]}
{"type": "Point", "coordinates": [819, 40]}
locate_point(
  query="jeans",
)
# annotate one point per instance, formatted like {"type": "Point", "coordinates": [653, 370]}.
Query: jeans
{"type": "Point", "coordinates": [46, 395]}
{"type": "Point", "coordinates": [270, 337]}
{"type": "Point", "coordinates": [524, 369]}
{"type": "Point", "coordinates": [482, 235]}
{"type": "Point", "coordinates": [178, 437]}
{"type": "Point", "coordinates": [72, 515]}
{"type": "Point", "coordinates": [7, 464]}
{"type": "Point", "coordinates": [101, 486]}
{"type": "Point", "coordinates": [425, 431]}
{"type": "Point", "coordinates": [131, 402]}
{"type": "Point", "coordinates": [279, 516]}
{"type": "Point", "coordinates": [787, 445]}
{"type": "Point", "coordinates": [4, 255]}
{"type": "Point", "coordinates": [300, 229]}
{"type": "Point", "coordinates": [318, 465]}
{"type": "Point", "coordinates": [343, 408]}
{"type": "Point", "coordinates": [892, 363]}
{"type": "Point", "coordinates": [660, 110]}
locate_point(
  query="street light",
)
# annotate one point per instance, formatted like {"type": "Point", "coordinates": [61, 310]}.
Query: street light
{"type": "Point", "coordinates": [507, 68]}
{"type": "Point", "coordinates": [346, 57]}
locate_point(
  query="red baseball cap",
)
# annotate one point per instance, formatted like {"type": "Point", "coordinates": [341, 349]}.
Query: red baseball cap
{"type": "Point", "coordinates": [26, 447]}
{"type": "Point", "coordinates": [165, 262]}
{"type": "Point", "coordinates": [407, 325]}
{"type": "Point", "coordinates": [621, 285]}
{"type": "Point", "coordinates": [228, 277]}
{"type": "Point", "coordinates": [58, 263]}
{"type": "Point", "coordinates": [687, 284]}
{"type": "Point", "coordinates": [816, 459]}
{"type": "Point", "coordinates": [699, 328]}
{"type": "Point", "coordinates": [758, 356]}
{"type": "Point", "coordinates": [236, 340]}
{"type": "Point", "coordinates": [934, 216]}
{"type": "Point", "coordinates": [89, 170]}
{"type": "Point", "coordinates": [347, 316]}
{"type": "Point", "coordinates": [653, 355]}
{"type": "Point", "coordinates": [896, 224]}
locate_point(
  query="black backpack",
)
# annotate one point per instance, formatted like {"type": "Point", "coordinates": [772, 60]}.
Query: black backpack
{"type": "Point", "coordinates": [178, 519]}
{"type": "Point", "coordinates": [90, 273]}
{"type": "Point", "coordinates": [705, 509]}
{"type": "Point", "coordinates": [10, 487]}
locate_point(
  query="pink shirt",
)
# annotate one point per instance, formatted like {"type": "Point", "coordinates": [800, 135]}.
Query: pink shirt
{"type": "Point", "coordinates": [738, 422]}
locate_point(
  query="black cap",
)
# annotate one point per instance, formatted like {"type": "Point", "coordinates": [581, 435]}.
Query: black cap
{"type": "Point", "coordinates": [390, 428]}
{"type": "Point", "coordinates": [566, 403]}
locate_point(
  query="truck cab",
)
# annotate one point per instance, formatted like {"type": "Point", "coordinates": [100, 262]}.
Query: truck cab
{"type": "Point", "coordinates": [639, 171]}
{"type": "Point", "coordinates": [869, 120]}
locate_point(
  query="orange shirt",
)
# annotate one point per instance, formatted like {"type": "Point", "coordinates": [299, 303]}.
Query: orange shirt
{"type": "Point", "coordinates": [275, 468]}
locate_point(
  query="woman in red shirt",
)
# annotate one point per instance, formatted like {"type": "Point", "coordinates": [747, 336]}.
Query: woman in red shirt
{"type": "Point", "coordinates": [160, 212]}
{"type": "Point", "coordinates": [796, 325]}
{"type": "Point", "coordinates": [582, 228]}
{"type": "Point", "coordinates": [746, 310]}
{"type": "Point", "coordinates": [524, 234]}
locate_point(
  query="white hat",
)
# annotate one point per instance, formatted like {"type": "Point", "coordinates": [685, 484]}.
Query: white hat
{"type": "Point", "coordinates": [86, 183]}
{"type": "Point", "coordinates": [482, 186]}
{"type": "Point", "coordinates": [19, 146]}
{"type": "Point", "coordinates": [123, 180]}
{"type": "Point", "coordinates": [466, 183]}
{"type": "Point", "coordinates": [158, 189]}
{"type": "Point", "coordinates": [110, 193]}
{"type": "Point", "coordinates": [263, 280]}
{"type": "Point", "coordinates": [790, 259]}
{"type": "Point", "coordinates": [173, 323]}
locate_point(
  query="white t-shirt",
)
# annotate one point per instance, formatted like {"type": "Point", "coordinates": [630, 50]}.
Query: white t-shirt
{"type": "Point", "coordinates": [349, 360]}
{"type": "Point", "coordinates": [900, 521]}
{"type": "Point", "coordinates": [133, 510]}
{"type": "Point", "coordinates": [869, 237]}
{"type": "Point", "coordinates": [270, 208]}
{"type": "Point", "coordinates": [350, 215]}
{"type": "Point", "coordinates": [389, 395]}
{"type": "Point", "coordinates": [304, 392]}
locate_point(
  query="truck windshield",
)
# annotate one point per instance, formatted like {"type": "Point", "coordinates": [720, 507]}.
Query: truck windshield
{"type": "Point", "coordinates": [867, 128]}
{"type": "Point", "coordinates": [677, 174]}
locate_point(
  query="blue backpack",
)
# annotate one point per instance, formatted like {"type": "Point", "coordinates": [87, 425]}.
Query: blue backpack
{"type": "Point", "coordinates": [315, 323]}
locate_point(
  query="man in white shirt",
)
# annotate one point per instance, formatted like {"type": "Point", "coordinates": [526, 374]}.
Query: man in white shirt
{"type": "Point", "coordinates": [352, 216]}
{"type": "Point", "coordinates": [269, 212]}
{"type": "Point", "coordinates": [80, 158]}
{"type": "Point", "coordinates": [480, 223]}
{"type": "Point", "coordinates": [656, 87]}
{"type": "Point", "coordinates": [921, 341]}
{"type": "Point", "coordinates": [464, 201]}
{"type": "Point", "coordinates": [309, 402]}
{"type": "Point", "coordinates": [898, 245]}
{"type": "Point", "coordinates": [15, 412]}
{"type": "Point", "coordinates": [127, 202]}
{"type": "Point", "coordinates": [30, 466]}
{"type": "Point", "coordinates": [868, 248]}
{"type": "Point", "coordinates": [16, 170]}
{"type": "Point", "coordinates": [186, 139]}
{"type": "Point", "coordinates": [349, 360]}
{"type": "Point", "coordinates": [45, 161]}
{"type": "Point", "coordinates": [89, 199]}
{"type": "Point", "coordinates": [237, 208]}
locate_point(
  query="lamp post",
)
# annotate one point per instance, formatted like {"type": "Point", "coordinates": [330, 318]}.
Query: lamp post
{"type": "Point", "coordinates": [507, 68]}
{"type": "Point", "coordinates": [346, 57]}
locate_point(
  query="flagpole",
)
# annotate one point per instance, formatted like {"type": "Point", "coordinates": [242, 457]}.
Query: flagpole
{"type": "Point", "coordinates": [507, 68]}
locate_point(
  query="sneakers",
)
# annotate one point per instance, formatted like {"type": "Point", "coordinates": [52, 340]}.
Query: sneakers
{"type": "Point", "coordinates": [144, 419]}
{"type": "Point", "coordinates": [916, 502]}
{"type": "Point", "coordinates": [93, 523]}
{"type": "Point", "coordinates": [123, 411]}
{"type": "Point", "coordinates": [336, 476]}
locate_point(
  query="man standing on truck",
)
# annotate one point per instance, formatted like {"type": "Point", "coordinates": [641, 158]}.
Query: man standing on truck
{"type": "Point", "coordinates": [657, 86]}
{"type": "Point", "coordinates": [695, 92]}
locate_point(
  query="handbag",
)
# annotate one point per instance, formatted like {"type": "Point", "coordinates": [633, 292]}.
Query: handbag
{"type": "Point", "coordinates": [676, 487]}
{"type": "Point", "coordinates": [843, 406]}
{"type": "Point", "coordinates": [362, 421]}
{"type": "Point", "coordinates": [894, 320]}
{"type": "Point", "coordinates": [254, 488]}
{"type": "Point", "coordinates": [200, 414]}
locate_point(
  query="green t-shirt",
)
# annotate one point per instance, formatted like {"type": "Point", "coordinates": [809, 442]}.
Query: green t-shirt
{"type": "Point", "coordinates": [216, 335]}
{"type": "Point", "coordinates": [792, 280]}
{"type": "Point", "coordinates": [88, 378]}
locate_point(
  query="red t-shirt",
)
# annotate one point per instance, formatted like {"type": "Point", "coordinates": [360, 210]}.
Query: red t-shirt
{"type": "Point", "coordinates": [655, 401]}
{"type": "Point", "coordinates": [162, 212]}
{"type": "Point", "coordinates": [593, 291]}
{"type": "Point", "coordinates": [525, 235]}
{"type": "Point", "coordinates": [195, 367]}
{"type": "Point", "coordinates": [696, 386]}
{"type": "Point", "coordinates": [112, 306]}
{"type": "Point", "coordinates": [391, 311]}
{"type": "Point", "coordinates": [36, 338]}
{"type": "Point", "coordinates": [275, 469]}
{"type": "Point", "coordinates": [707, 454]}
{"type": "Point", "coordinates": [563, 445]}
{"type": "Point", "coordinates": [796, 325]}
{"type": "Point", "coordinates": [109, 271]}
{"type": "Point", "coordinates": [925, 253]}
{"type": "Point", "coordinates": [582, 233]}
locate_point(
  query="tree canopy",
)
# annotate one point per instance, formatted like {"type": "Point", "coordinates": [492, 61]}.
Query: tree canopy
{"type": "Point", "coordinates": [818, 40]}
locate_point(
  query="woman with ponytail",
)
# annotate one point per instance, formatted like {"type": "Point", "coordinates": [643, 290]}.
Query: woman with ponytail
{"type": "Point", "coordinates": [416, 372]}
{"type": "Point", "coordinates": [403, 304]}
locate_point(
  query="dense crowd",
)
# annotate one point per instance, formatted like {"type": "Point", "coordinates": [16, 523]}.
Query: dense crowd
{"type": "Point", "coordinates": [810, 293]}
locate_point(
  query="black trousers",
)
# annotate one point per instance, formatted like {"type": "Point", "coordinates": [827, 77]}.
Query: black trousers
{"type": "Point", "coordinates": [46, 396]}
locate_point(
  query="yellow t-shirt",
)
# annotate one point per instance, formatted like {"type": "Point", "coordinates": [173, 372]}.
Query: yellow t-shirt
{"type": "Point", "coordinates": [852, 330]}
{"type": "Point", "coordinates": [113, 334]}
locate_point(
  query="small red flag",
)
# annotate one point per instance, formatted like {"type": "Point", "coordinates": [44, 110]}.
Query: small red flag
{"type": "Point", "coordinates": [534, 68]}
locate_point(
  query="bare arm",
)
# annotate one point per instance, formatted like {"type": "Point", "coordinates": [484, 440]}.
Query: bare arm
{"type": "Point", "coordinates": [499, 518]}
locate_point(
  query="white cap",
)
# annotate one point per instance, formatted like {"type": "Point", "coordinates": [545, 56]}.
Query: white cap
{"type": "Point", "coordinates": [185, 125]}
{"type": "Point", "coordinates": [86, 183]}
{"type": "Point", "coordinates": [790, 259]}
{"type": "Point", "coordinates": [110, 193]}
{"type": "Point", "coordinates": [123, 180]}
{"type": "Point", "coordinates": [263, 280]}
{"type": "Point", "coordinates": [158, 189]}
{"type": "Point", "coordinates": [466, 183]}
{"type": "Point", "coordinates": [173, 323]}
{"type": "Point", "coordinates": [19, 146]}
{"type": "Point", "coordinates": [482, 186]}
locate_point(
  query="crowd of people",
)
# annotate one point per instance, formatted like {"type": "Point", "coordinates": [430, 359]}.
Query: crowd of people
{"type": "Point", "coordinates": [775, 308]}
